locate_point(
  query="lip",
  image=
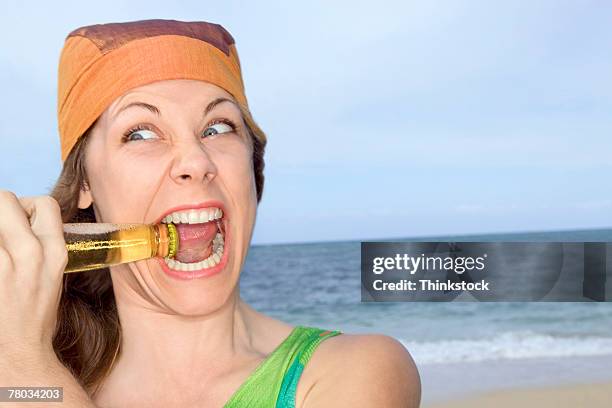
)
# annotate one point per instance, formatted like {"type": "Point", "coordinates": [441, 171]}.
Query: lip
{"type": "Point", "coordinates": [201, 273]}
{"type": "Point", "coordinates": [205, 204]}
{"type": "Point", "coordinates": [206, 272]}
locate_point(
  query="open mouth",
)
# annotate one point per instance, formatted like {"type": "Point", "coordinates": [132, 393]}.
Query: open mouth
{"type": "Point", "coordinates": [201, 238]}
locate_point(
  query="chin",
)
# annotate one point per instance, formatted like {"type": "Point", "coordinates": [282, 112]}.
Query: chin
{"type": "Point", "coordinates": [200, 296]}
{"type": "Point", "coordinates": [197, 307]}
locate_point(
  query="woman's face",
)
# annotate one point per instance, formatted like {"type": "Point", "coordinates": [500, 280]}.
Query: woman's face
{"type": "Point", "coordinates": [173, 147]}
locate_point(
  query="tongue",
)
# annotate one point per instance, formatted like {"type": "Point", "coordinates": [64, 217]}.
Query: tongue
{"type": "Point", "coordinates": [194, 241]}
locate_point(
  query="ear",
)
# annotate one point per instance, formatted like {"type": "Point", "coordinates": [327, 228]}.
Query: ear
{"type": "Point", "coordinates": [85, 198]}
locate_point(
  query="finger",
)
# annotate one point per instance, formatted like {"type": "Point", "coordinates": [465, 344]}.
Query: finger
{"type": "Point", "coordinates": [46, 224]}
{"type": "Point", "coordinates": [16, 234]}
{"type": "Point", "coordinates": [45, 216]}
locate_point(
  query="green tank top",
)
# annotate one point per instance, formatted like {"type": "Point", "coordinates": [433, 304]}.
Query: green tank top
{"type": "Point", "coordinates": [274, 381]}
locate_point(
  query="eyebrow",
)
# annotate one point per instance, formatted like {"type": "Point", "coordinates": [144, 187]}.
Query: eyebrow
{"type": "Point", "coordinates": [212, 105]}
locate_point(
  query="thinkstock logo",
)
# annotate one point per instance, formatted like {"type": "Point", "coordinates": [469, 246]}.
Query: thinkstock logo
{"type": "Point", "coordinates": [485, 271]}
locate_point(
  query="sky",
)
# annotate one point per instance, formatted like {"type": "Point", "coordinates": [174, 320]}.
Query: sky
{"type": "Point", "coordinates": [384, 119]}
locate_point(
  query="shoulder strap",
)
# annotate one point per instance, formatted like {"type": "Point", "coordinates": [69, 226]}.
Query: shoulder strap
{"type": "Point", "coordinates": [286, 396]}
{"type": "Point", "coordinates": [274, 381]}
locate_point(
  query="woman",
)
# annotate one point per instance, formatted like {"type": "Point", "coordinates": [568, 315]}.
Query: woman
{"type": "Point", "coordinates": [154, 127]}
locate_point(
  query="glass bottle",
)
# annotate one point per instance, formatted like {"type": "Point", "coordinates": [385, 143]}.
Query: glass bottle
{"type": "Point", "coordinates": [99, 245]}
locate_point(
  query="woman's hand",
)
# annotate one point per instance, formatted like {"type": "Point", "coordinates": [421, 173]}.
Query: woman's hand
{"type": "Point", "coordinates": [32, 260]}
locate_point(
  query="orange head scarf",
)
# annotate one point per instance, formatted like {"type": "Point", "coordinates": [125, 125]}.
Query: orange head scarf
{"type": "Point", "coordinates": [101, 62]}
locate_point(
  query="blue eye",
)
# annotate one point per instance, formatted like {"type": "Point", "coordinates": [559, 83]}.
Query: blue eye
{"type": "Point", "coordinates": [218, 128]}
{"type": "Point", "coordinates": [139, 133]}
{"type": "Point", "coordinates": [143, 132]}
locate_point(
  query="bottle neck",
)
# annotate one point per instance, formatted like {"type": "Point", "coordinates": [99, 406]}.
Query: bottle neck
{"type": "Point", "coordinates": [161, 240]}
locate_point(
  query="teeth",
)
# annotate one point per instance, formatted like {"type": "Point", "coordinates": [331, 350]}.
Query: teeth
{"type": "Point", "coordinates": [212, 261]}
{"type": "Point", "coordinates": [218, 243]}
{"type": "Point", "coordinates": [198, 217]}
{"type": "Point", "coordinates": [203, 216]}
{"type": "Point", "coordinates": [209, 262]}
{"type": "Point", "coordinates": [194, 216]}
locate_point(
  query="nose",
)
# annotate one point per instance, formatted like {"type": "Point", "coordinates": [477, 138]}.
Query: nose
{"type": "Point", "coordinates": [192, 163]}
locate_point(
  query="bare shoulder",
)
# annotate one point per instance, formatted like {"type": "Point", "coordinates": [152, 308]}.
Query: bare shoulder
{"type": "Point", "coordinates": [371, 370]}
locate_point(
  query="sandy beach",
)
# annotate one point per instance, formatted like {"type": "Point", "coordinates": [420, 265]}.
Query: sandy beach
{"type": "Point", "coordinates": [544, 382]}
{"type": "Point", "coordinates": [574, 396]}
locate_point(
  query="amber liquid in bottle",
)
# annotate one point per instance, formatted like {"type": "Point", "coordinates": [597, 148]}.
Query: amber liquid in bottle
{"type": "Point", "coordinates": [97, 245]}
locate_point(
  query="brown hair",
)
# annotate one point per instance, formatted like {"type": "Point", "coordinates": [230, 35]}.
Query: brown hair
{"type": "Point", "coordinates": [88, 333]}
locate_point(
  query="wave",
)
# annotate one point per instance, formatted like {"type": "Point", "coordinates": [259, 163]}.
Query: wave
{"type": "Point", "coordinates": [507, 346]}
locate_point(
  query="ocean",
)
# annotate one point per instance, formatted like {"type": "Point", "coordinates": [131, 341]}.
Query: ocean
{"type": "Point", "coordinates": [318, 284]}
